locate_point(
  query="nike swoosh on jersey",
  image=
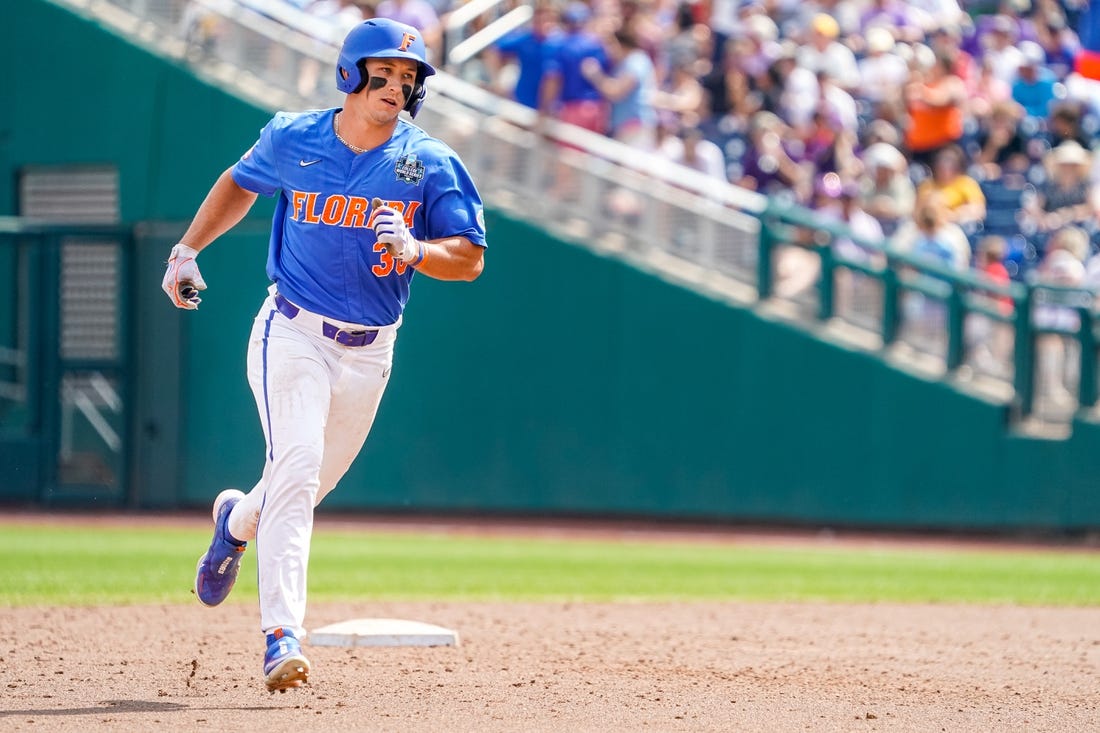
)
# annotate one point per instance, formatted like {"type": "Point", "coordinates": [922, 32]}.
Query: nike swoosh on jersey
{"type": "Point", "coordinates": [304, 163]}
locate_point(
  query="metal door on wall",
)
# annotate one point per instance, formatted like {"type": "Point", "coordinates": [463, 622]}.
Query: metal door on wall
{"type": "Point", "coordinates": [65, 351]}
{"type": "Point", "coordinates": [64, 363]}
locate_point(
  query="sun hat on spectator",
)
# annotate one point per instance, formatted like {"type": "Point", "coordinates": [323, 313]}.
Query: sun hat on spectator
{"type": "Point", "coordinates": [1070, 152]}
{"type": "Point", "coordinates": [884, 155]}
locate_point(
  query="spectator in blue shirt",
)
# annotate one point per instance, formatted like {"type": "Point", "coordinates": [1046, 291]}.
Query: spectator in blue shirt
{"type": "Point", "coordinates": [1034, 87]}
{"type": "Point", "coordinates": [530, 48]}
{"type": "Point", "coordinates": [565, 91]}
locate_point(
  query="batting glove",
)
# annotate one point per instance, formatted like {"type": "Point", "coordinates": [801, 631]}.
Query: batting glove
{"type": "Point", "coordinates": [389, 226]}
{"type": "Point", "coordinates": [182, 280]}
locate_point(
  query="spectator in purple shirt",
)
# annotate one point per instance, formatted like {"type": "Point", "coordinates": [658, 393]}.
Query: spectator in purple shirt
{"type": "Point", "coordinates": [768, 165]}
{"type": "Point", "coordinates": [901, 19]}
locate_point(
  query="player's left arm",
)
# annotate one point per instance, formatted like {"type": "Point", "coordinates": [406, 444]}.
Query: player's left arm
{"type": "Point", "coordinates": [446, 258]}
{"type": "Point", "coordinates": [451, 258]}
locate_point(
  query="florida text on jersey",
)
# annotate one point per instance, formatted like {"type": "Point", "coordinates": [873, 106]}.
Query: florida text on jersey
{"type": "Point", "coordinates": [323, 254]}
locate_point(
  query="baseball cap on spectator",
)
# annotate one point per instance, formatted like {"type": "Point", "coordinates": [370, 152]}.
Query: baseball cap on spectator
{"type": "Point", "coordinates": [575, 13]}
{"type": "Point", "coordinates": [1033, 53]}
{"type": "Point", "coordinates": [923, 56]}
{"type": "Point", "coordinates": [1072, 239]}
{"type": "Point", "coordinates": [747, 8]}
{"type": "Point", "coordinates": [761, 27]}
{"type": "Point", "coordinates": [1054, 21]}
{"type": "Point", "coordinates": [879, 39]}
{"type": "Point", "coordinates": [1006, 109]}
{"type": "Point", "coordinates": [882, 131]}
{"type": "Point", "coordinates": [765, 120]}
{"type": "Point", "coordinates": [680, 57]}
{"type": "Point", "coordinates": [904, 51]}
{"type": "Point", "coordinates": [786, 50]}
{"type": "Point", "coordinates": [826, 25]}
{"type": "Point", "coordinates": [1004, 24]}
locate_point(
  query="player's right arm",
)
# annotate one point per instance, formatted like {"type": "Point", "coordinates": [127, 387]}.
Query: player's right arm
{"type": "Point", "coordinates": [224, 206]}
{"type": "Point", "coordinates": [230, 198]}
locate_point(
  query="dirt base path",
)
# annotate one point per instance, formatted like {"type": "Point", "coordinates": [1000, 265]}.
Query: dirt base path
{"type": "Point", "coordinates": [565, 667]}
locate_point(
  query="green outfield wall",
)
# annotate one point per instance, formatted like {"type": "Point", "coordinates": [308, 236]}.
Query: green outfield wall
{"type": "Point", "coordinates": [74, 93]}
{"type": "Point", "coordinates": [561, 382]}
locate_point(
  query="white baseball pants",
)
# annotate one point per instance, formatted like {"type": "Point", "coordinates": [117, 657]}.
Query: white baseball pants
{"type": "Point", "coordinates": [317, 400]}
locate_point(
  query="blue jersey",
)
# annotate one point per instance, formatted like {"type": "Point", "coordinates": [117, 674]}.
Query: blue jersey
{"type": "Point", "coordinates": [323, 254]}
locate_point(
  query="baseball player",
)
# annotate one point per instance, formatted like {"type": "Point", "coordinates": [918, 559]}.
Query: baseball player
{"type": "Point", "coordinates": [365, 201]}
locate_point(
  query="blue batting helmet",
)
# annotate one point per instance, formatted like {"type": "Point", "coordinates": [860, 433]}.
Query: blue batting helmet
{"type": "Point", "coordinates": [382, 38]}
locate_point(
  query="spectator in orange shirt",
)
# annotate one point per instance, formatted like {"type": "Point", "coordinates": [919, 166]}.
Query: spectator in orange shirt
{"type": "Point", "coordinates": [935, 100]}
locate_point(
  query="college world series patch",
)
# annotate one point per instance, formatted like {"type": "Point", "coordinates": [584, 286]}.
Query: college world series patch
{"type": "Point", "coordinates": [409, 169]}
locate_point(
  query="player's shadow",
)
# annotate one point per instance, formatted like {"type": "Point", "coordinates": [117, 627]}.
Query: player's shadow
{"type": "Point", "coordinates": [118, 706]}
{"type": "Point", "coordinates": [112, 706]}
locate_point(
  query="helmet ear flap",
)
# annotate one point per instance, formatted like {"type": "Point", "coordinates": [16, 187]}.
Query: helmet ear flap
{"type": "Point", "coordinates": [351, 78]}
{"type": "Point", "coordinates": [361, 70]}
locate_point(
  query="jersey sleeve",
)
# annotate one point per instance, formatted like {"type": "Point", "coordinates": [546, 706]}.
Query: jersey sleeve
{"type": "Point", "coordinates": [257, 171]}
{"type": "Point", "coordinates": [453, 207]}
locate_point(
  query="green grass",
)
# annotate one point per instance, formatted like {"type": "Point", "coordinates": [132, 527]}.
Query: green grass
{"type": "Point", "coordinates": [69, 565]}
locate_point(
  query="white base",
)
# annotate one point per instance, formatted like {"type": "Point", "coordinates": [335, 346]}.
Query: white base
{"type": "Point", "coordinates": [382, 632]}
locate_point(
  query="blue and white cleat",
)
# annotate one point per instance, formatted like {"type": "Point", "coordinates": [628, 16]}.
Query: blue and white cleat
{"type": "Point", "coordinates": [218, 568]}
{"type": "Point", "coordinates": [284, 664]}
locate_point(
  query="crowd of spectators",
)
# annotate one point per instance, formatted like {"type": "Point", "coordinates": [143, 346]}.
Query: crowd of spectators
{"type": "Point", "coordinates": [976, 102]}
{"type": "Point", "coordinates": [961, 133]}
{"type": "Point", "coordinates": [959, 130]}
{"type": "Point", "coordinates": [975, 107]}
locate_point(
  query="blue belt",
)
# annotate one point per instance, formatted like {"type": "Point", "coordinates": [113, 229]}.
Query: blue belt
{"type": "Point", "coordinates": [329, 330]}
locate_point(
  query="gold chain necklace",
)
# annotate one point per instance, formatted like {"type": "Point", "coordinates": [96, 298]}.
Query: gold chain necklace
{"type": "Point", "coordinates": [336, 129]}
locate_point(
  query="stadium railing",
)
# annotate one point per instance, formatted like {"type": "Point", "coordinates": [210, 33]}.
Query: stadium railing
{"type": "Point", "coordinates": [727, 242]}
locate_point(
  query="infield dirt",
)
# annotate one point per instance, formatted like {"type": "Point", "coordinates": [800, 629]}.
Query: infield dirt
{"type": "Point", "coordinates": [565, 667]}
